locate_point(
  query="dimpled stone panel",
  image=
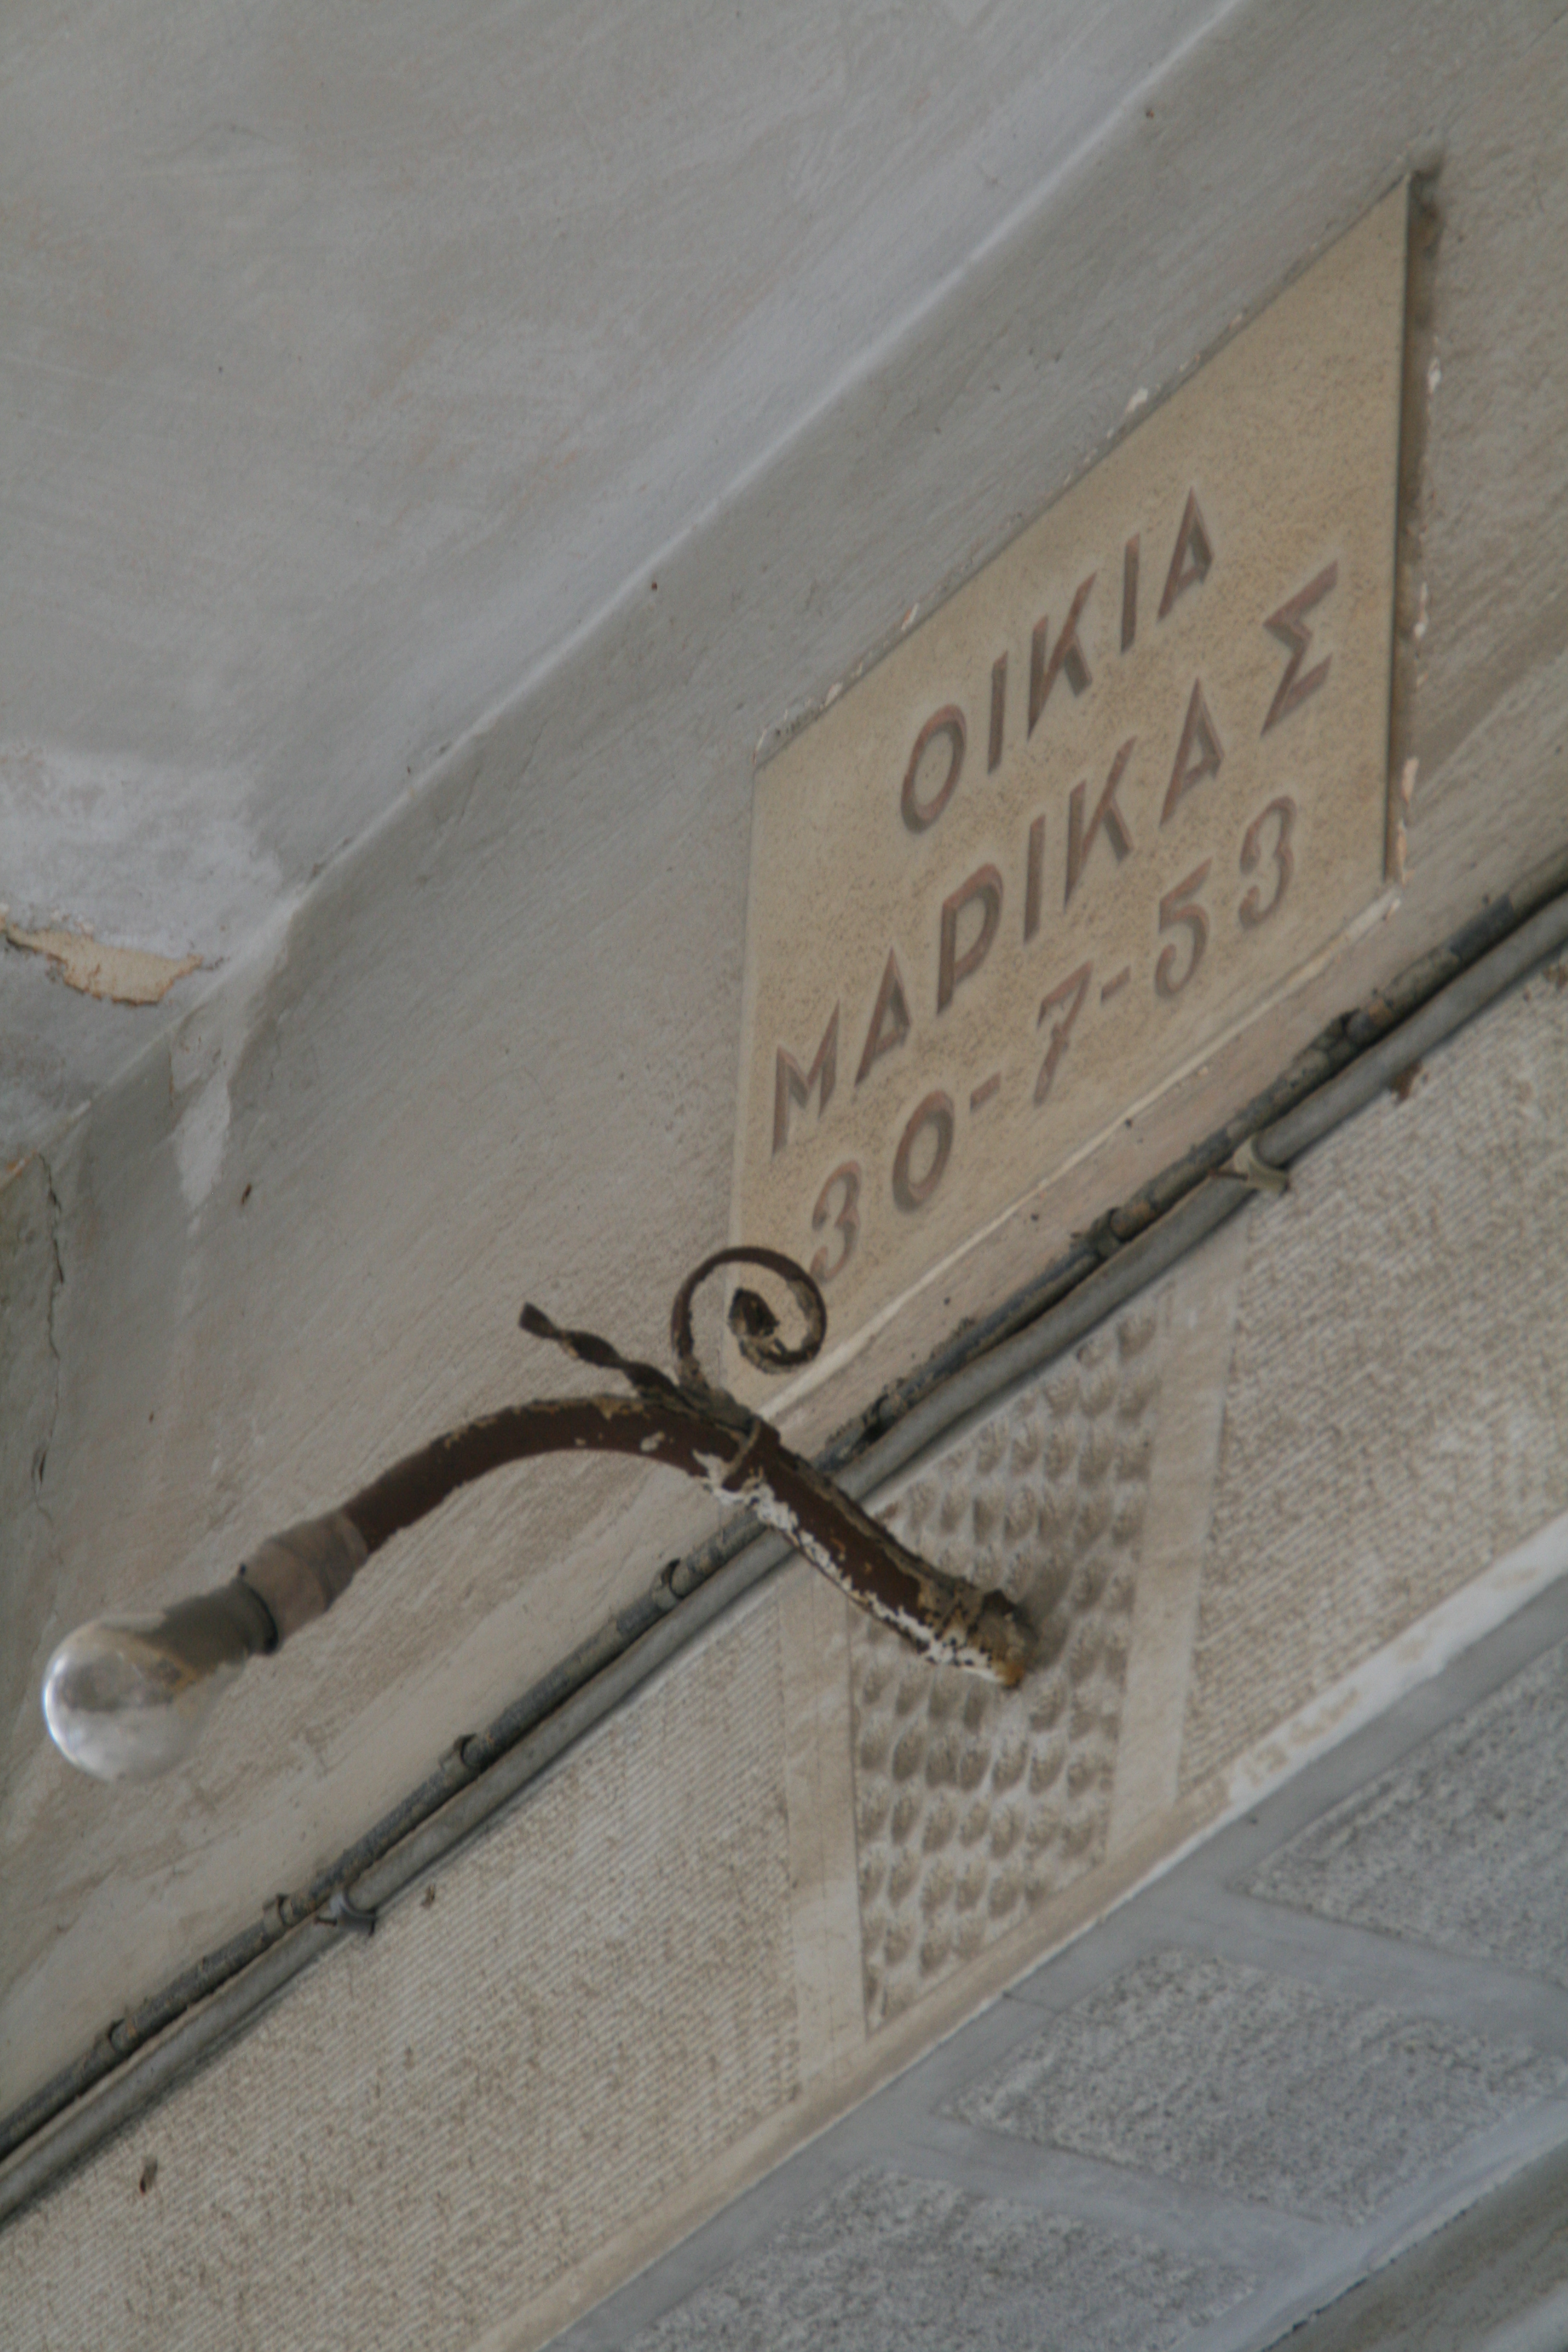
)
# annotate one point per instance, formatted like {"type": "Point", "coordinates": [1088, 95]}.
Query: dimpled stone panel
{"type": "Point", "coordinates": [892, 2265]}
{"type": "Point", "coordinates": [1462, 1846]}
{"type": "Point", "coordinates": [1231, 2078]}
{"type": "Point", "coordinates": [974, 1804]}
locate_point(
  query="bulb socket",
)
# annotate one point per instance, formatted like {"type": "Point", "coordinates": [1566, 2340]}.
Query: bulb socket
{"type": "Point", "coordinates": [298, 1574]}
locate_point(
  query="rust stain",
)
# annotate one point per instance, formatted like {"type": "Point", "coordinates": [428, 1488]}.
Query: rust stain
{"type": "Point", "coordinates": [120, 975]}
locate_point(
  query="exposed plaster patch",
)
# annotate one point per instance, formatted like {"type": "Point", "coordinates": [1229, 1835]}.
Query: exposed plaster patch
{"type": "Point", "coordinates": [152, 853]}
{"type": "Point", "coordinates": [123, 975]}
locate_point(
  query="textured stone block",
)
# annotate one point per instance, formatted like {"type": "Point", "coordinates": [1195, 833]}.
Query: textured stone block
{"type": "Point", "coordinates": [451, 2116]}
{"type": "Point", "coordinates": [1257, 2085]}
{"type": "Point", "coordinates": [892, 2265]}
{"type": "Point", "coordinates": [1462, 1846]}
{"type": "Point", "coordinates": [974, 1804]}
{"type": "Point", "coordinates": [1399, 1385]}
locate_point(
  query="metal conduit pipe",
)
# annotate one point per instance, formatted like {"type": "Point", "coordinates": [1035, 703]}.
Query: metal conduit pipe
{"type": "Point", "coordinates": [84, 2105]}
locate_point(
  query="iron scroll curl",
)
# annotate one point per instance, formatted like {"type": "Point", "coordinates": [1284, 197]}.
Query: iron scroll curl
{"type": "Point", "coordinates": [751, 1320]}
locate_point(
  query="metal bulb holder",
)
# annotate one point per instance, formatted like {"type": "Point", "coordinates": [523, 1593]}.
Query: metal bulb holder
{"type": "Point", "coordinates": [126, 1698]}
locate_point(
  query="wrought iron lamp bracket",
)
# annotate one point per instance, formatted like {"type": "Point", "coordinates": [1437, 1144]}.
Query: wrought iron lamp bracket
{"type": "Point", "coordinates": [691, 1424]}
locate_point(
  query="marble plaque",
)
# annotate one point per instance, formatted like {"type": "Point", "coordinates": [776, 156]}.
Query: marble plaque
{"type": "Point", "coordinates": [1103, 807]}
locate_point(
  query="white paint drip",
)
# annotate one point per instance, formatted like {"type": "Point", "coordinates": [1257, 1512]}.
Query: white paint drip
{"type": "Point", "coordinates": [206, 1052]}
{"type": "Point", "coordinates": [1418, 627]}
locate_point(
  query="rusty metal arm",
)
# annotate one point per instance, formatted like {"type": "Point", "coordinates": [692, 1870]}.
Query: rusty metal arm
{"type": "Point", "coordinates": [690, 1425]}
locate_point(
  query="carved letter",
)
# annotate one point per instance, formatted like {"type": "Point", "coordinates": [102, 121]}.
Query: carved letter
{"type": "Point", "coordinates": [998, 711]}
{"type": "Point", "coordinates": [1129, 594]}
{"type": "Point", "coordinates": [986, 887]}
{"type": "Point", "coordinates": [848, 1221]}
{"type": "Point", "coordinates": [948, 722]}
{"type": "Point", "coordinates": [890, 1019]}
{"type": "Point", "coordinates": [1179, 911]}
{"type": "Point", "coordinates": [935, 1112]}
{"type": "Point", "coordinates": [1034, 877]}
{"type": "Point", "coordinates": [790, 1086]}
{"type": "Point", "coordinates": [1252, 909]}
{"type": "Point", "coordinates": [1071, 993]}
{"type": "Point", "coordinates": [1067, 656]}
{"type": "Point", "coordinates": [1190, 558]}
{"type": "Point", "coordinates": [1081, 839]}
{"type": "Point", "coordinates": [1198, 754]}
{"type": "Point", "coordinates": [1287, 625]}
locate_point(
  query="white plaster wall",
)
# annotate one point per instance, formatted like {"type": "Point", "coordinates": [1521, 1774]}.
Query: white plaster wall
{"type": "Point", "coordinates": [354, 365]}
{"type": "Point", "coordinates": [489, 1051]}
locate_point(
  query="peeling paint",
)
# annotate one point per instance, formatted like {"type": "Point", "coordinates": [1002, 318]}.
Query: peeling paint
{"type": "Point", "coordinates": [120, 975]}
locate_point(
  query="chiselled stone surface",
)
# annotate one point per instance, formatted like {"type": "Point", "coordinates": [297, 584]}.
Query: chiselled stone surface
{"type": "Point", "coordinates": [1399, 1385]}
{"type": "Point", "coordinates": [975, 1804]}
{"type": "Point", "coordinates": [1463, 1846]}
{"type": "Point", "coordinates": [893, 2265]}
{"type": "Point", "coordinates": [1257, 2085]}
{"type": "Point", "coordinates": [453, 2113]}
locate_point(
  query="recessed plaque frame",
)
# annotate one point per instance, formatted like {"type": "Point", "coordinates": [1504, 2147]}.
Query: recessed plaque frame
{"type": "Point", "coordinates": [1112, 800]}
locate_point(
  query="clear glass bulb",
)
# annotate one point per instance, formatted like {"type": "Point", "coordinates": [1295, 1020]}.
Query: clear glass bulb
{"type": "Point", "coordinates": [126, 1698]}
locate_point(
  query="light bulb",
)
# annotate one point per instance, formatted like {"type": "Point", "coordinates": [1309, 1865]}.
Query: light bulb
{"type": "Point", "coordinates": [125, 1697]}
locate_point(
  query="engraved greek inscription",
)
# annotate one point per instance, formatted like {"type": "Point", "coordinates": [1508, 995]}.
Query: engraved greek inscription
{"type": "Point", "coordinates": [1067, 660]}
{"type": "Point", "coordinates": [1093, 825]}
{"type": "Point", "coordinates": [943, 727]}
{"type": "Point", "coordinates": [1190, 557]}
{"type": "Point", "coordinates": [1252, 910]}
{"type": "Point", "coordinates": [891, 1023]}
{"type": "Point", "coordinates": [1178, 911]}
{"type": "Point", "coordinates": [998, 712]}
{"type": "Point", "coordinates": [1106, 816]}
{"type": "Point", "coordinates": [1071, 993]}
{"type": "Point", "coordinates": [982, 889]}
{"type": "Point", "coordinates": [789, 1086]}
{"type": "Point", "coordinates": [1289, 625]}
{"type": "Point", "coordinates": [1198, 754]}
{"type": "Point", "coordinates": [935, 1114]}
{"type": "Point", "coordinates": [846, 1223]}
{"type": "Point", "coordinates": [1034, 877]}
